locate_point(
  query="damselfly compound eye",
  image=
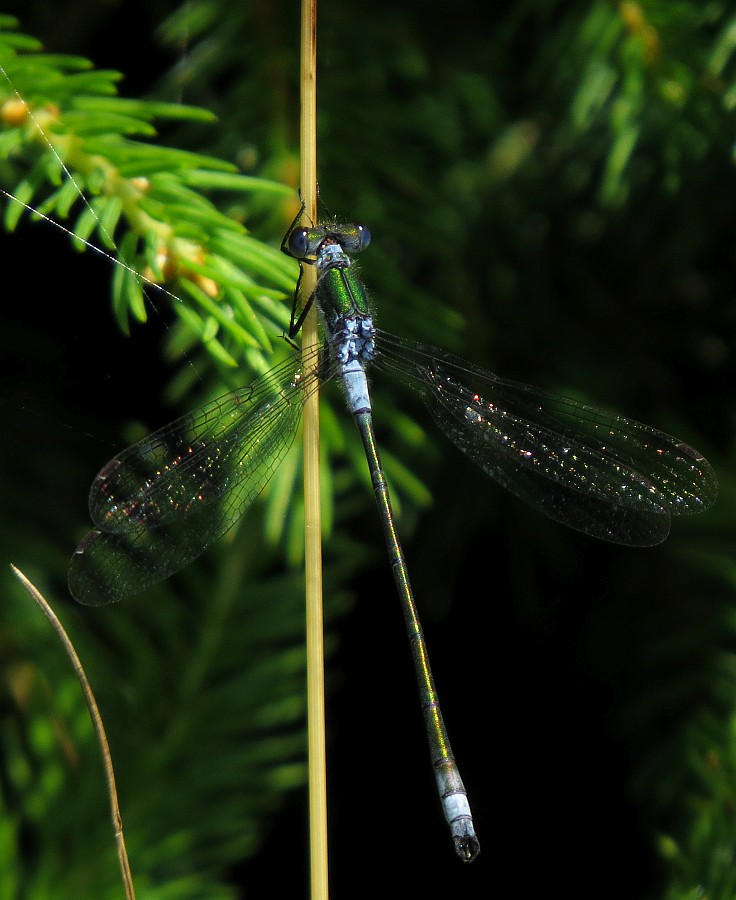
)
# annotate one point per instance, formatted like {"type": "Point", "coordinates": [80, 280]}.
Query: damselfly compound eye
{"type": "Point", "coordinates": [299, 242]}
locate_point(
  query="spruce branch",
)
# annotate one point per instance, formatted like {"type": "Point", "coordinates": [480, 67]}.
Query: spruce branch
{"type": "Point", "coordinates": [84, 153]}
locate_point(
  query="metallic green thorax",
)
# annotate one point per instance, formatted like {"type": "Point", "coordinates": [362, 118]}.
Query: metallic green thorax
{"type": "Point", "coordinates": [340, 292]}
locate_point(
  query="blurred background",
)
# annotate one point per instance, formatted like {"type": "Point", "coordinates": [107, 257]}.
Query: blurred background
{"type": "Point", "coordinates": [550, 189]}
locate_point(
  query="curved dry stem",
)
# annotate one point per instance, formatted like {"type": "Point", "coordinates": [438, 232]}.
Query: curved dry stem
{"type": "Point", "coordinates": [117, 821]}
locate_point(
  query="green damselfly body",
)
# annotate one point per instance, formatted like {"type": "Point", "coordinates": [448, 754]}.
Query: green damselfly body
{"type": "Point", "coordinates": [157, 505]}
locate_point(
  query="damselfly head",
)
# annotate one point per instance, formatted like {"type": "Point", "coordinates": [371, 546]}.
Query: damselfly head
{"type": "Point", "coordinates": [305, 243]}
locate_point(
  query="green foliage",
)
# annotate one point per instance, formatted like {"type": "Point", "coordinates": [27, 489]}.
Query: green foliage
{"type": "Point", "coordinates": [65, 124]}
{"type": "Point", "coordinates": [71, 151]}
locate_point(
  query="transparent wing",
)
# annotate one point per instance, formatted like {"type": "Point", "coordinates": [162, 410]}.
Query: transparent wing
{"type": "Point", "coordinates": [596, 472]}
{"type": "Point", "coordinates": [161, 502]}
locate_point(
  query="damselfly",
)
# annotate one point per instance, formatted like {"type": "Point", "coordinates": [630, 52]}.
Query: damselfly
{"type": "Point", "coordinates": [157, 505]}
